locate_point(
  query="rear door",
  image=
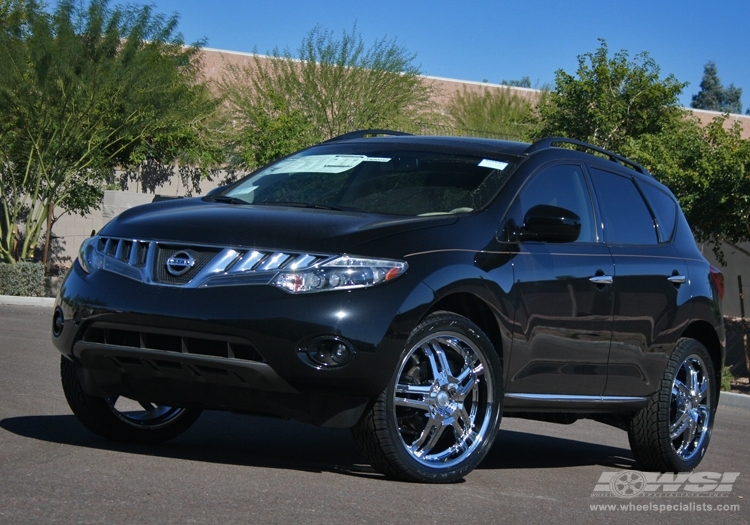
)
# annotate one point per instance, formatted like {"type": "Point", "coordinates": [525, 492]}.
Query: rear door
{"type": "Point", "coordinates": [650, 280]}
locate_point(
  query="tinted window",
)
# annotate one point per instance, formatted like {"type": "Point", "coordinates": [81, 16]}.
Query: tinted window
{"type": "Point", "coordinates": [391, 181]}
{"type": "Point", "coordinates": [626, 218]}
{"type": "Point", "coordinates": [665, 209]}
{"type": "Point", "coordinates": [563, 186]}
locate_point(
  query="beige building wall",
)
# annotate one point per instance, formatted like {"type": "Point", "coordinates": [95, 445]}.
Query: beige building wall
{"type": "Point", "coordinates": [737, 264]}
{"type": "Point", "coordinates": [215, 60]}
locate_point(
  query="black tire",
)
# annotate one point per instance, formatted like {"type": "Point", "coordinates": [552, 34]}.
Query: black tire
{"type": "Point", "coordinates": [147, 424]}
{"type": "Point", "coordinates": [449, 371]}
{"type": "Point", "coordinates": [672, 432]}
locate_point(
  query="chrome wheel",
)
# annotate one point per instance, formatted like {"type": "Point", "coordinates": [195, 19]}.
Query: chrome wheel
{"type": "Point", "coordinates": [671, 433]}
{"type": "Point", "coordinates": [690, 412]}
{"type": "Point", "coordinates": [143, 414]}
{"type": "Point", "coordinates": [442, 401]}
{"type": "Point", "coordinates": [439, 416]}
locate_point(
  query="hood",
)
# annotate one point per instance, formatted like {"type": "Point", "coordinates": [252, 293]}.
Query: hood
{"type": "Point", "coordinates": [261, 226]}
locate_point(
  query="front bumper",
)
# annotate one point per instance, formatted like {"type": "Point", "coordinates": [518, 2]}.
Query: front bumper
{"type": "Point", "coordinates": [235, 347]}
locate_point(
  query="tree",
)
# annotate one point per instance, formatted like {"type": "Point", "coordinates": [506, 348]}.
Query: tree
{"type": "Point", "coordinates": [82, 90]}
{"type": "Point", "coordinates": [714, 96]}
{"type": "Point", "coordinates": [498, 113]}
{"type": "Point", "coordinates": [282, 102]}
{"type": "Point", "coordinates": [610, 99]}
{"type": "Point", "coordinates": [524, 82]}
{"type": "Point", "coordinates": [708, 170]}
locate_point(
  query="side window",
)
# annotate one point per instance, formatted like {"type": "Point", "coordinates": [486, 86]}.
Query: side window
{"type": "Point", "coordinates": [625, 216]}
{"type": "Point", "coordinates": [665, 209]}
{"type": "Point", "coordinates": [563, 186]}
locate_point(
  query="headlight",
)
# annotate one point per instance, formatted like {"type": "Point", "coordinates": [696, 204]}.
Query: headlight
{"type": "Point", "coordinates": [342, 273]}
{"type": "Point", "coordinates": [89, 259]}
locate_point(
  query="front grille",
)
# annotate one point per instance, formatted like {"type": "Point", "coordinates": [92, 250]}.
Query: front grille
{"type": "Point", "coordinates": [132, 252]}
{"type": "Point", "coordinates": [173, 341]}
{"type": "Point", "coordinates": [147, 261]}
{"type": "Point", "coordinates": [201, 255]}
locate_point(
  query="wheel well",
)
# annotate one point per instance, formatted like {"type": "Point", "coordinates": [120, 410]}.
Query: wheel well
{"type": "Point", "coordinates": [476, 310]}
{"type": "Point", "coordinates": [705, 333]}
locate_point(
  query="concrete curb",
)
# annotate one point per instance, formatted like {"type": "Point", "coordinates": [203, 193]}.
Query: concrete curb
{"type": "Point", "coordinates": [730, 399]}
{"type": "Point", "coordinates": [27, 301]}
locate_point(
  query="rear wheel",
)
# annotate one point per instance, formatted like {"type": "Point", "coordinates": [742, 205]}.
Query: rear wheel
{"type": "Point", "coordinates": [440, 414]}
{"type": "Point", "coordinates": [120, 419]}
{"type": "Point", "coordinates": [671, 433]}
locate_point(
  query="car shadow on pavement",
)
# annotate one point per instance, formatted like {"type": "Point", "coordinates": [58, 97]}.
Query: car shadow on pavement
{"type": "Point", "coordinates": [524, 450]}
{"type": "Point", "coordinates": [233, 439]}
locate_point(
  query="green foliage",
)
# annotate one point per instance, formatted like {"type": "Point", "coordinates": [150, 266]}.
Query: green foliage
{"type": "Point", "coordinates": [22, 279]}
{"type": "Point", "coordinates": [281, 103]}
{"type": "Point", "coordinates": [496, 113]}
{"type": "Point", "coordinates": [277, 130]}
{"type": "Point", "coordinates": [524, 82]}
{"type": "Point", "coordinates": [714, 96]}
{"type": "Point", "coordinates": [623, 105]}
{"type": "Point", "coordinates": [610, 100]}
{"type": "Point", "coordinates": [84, 89]}
{"type": "Point", "coordinates": [726, 379]}
{"type": "Point", "coordinates": [708, 169]}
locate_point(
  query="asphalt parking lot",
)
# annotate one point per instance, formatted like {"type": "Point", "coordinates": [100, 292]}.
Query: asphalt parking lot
{"type": "Point", "coordinates": [239, 469]}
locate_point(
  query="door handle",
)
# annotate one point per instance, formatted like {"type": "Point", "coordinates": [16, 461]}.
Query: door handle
{"type": "Point", "coordinates": [677, 279]}
{"type": "Point", "coordinates": [601, 279]}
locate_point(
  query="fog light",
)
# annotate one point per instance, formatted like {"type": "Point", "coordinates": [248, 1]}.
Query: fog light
{"type": "Point", "coordinates": [58, 322]}
{"type": "Point", "coordinates": [329, 351]}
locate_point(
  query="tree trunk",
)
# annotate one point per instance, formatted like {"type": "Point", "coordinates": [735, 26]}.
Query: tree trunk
{"type": "Point", "coordinates": [48, 237]}
{"type": "Point", "coordinates": [15, 241]}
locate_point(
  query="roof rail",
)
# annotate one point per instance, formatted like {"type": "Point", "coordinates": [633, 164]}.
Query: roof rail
{"type": "Point", "coordinates": [365, 133]}
{"type": "Point", "coordinates": [585, 146]}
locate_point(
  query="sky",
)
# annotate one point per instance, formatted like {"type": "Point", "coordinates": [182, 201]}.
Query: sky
{"type": "Point", "coordinates": [486, 40]}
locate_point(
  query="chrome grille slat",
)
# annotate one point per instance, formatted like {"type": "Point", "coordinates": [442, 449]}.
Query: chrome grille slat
{"type": "Point", "coordinates": [145, 261]}
{"type": "Point", "coordinates": [248, 261]}
{"type": "Point", "coordinates": [121, 247]}
{"type": "Point", "coordinates": [302, 261]}
{"type": "Point", "coordinates": [274, 261]}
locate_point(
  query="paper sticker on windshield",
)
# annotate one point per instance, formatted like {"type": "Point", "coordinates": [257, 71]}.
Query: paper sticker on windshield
{"type": "Point", "coordinates": [494, 164]}
{"type": "Point", "coordinates": [376, 159]}
{"type": "Point", "coordinates": [318, 164]}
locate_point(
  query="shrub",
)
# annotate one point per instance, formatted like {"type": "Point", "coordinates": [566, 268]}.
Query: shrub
{"type": "Point", "coordinates": [726, 379]}
{"type": "Point", "coordinates": [23, 278]}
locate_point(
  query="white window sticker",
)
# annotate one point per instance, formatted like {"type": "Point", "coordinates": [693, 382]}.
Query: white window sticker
{"type": "Point", "coordinates": [318, 164]}
{"type": "Point", "coordinates": [376, 159]}
{"type": "Point", "coordinates": [494, 164]}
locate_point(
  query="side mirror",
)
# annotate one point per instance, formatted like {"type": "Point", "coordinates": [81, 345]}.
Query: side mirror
{"type": "Point", "coordinates": [550, 224]}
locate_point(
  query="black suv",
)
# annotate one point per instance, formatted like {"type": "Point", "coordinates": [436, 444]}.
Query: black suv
{"type": "Point", "coordinates": [412, 288]}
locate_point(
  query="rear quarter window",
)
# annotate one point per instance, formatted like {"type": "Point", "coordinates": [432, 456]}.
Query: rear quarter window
{"type": "Point", "coordinates": [626, 219]}
{"type": "Point", "coordinates": [664, 208]}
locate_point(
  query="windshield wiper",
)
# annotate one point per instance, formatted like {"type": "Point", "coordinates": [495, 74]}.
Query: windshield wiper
{"type": "Point", "coordinates": [301, 205]}
{"type": "Point", "coordinates": [228, 200]}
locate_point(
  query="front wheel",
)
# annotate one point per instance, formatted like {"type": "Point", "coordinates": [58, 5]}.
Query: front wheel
{"type": "Point", "coordinates": [439, 416]}
{"type": "Point", "coordinates": [120, 419]}
{"type": "Point", "coordinates": [671, 433]}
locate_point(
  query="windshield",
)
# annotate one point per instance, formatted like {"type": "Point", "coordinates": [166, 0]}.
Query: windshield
{"type": "Point", "coordinates": [388, 181]}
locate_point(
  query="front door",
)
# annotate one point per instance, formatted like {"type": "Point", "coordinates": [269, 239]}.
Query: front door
{"type": "Point", "coordinates": [562, 295]}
